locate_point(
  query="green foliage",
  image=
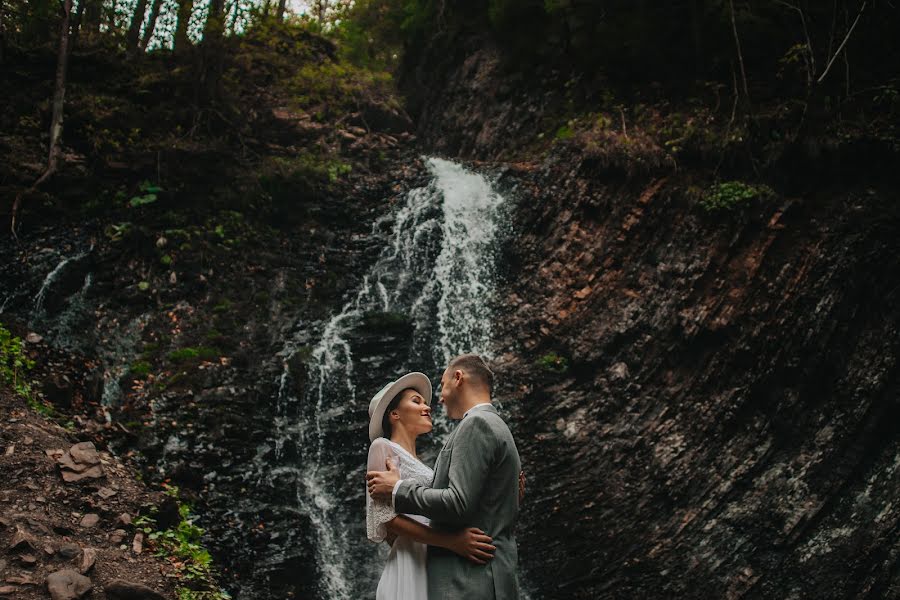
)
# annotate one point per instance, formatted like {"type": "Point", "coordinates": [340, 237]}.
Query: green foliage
{"type": "Point", "coordinates": [183, 545]}
{"type": "Point", "coordinates": [116, 231]}
{"type": "Point", "coordinates": [15, 364]}
{"type": "Point", "coordinates": [149, 195]}
{"type": "Point", "coordinates": [283, 177]}
{"type": "Point", "coordinates": [185, 354]}
{"type": "Point", "coordinates": [565, 133]}
{"type": "Point", "coordinates": [166, 259]}
{"type": "Point", "coordinates": [14, 368]}
{"type": "Point", "coordinates": [553, 362]}
{"type": "Point", "coordinates": [732, 194]}
{"type": "Point", "coordinates": [337, 169]}
{"type": "Point", "coordinates": [140, 368]}
{"type": "Point", "coordinates": [330, 88]}
{"type": "Point", "coordinates": [223, 306]}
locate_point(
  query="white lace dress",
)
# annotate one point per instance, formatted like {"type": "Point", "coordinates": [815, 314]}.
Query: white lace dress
{"type": "Point", "coordinates": [404, 576]}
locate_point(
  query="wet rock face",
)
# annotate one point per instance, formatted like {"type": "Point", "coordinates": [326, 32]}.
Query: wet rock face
{"type": "Point", "coordinates": [184, 354]}
{"type": "Point", "coordinates": [706, 406]}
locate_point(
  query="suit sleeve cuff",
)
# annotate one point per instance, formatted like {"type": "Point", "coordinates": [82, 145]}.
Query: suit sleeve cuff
{"type": "Point", "coordinates": [394, 495]}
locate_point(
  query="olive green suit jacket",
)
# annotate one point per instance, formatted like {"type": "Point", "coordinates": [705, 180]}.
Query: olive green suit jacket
{"type": "Point", "coordinates": [476, 484]}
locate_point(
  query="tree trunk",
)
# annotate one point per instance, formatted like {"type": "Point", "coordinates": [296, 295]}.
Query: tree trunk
{"type": "Point", "coordinates": [697, 39]}
{"type": "Point", "coordinates": [56, 118]}
{"type": "Point", "coordinates": [133, 38]}
{"type": "Point", "coordinates": [93, 11]}
{"type": "Point", "coordinates": [151, 24]}
{"type": "Point", "coordinates": [740, 54]}
{"type": "Point", "coordinates": [215, 21]}
{"type": "Point", "coordinates": [182, 41]}
{"type": "Point", "coordinates": [2, 33]}
{"type": "Point", "coordinates": [281, 6]}
{"type": "Point", "coordinates": [211, 68]}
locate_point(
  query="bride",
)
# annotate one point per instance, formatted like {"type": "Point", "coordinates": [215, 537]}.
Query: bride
{"type": "Point", "coordinates": [398, 414]}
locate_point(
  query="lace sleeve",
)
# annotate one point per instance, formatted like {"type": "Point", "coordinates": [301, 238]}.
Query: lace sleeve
{"type": "Point", "coordinates": [379, 513]}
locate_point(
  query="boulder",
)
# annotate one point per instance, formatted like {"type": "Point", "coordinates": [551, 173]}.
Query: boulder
{"type": "Point", "coordinates": [82, 461]}
{"type": "Point", "coordinates": [68, 585]}
{"type": "Point", "coordinates": [119, 589]}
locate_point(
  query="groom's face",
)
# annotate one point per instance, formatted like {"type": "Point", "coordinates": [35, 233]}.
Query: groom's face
{"type": "Point", "coordinates": [450, 392]}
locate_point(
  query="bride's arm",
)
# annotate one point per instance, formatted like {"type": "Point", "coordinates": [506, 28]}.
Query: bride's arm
{"type": "Point", "coordinates": [472, 543]}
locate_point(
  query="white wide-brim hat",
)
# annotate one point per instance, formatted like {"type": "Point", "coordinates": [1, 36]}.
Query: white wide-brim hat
{"type": "Point", "coordinates": [380, 401]}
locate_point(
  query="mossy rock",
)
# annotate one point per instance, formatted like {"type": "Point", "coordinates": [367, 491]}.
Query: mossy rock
{"type": "Point", "coordinates": [186, 354]}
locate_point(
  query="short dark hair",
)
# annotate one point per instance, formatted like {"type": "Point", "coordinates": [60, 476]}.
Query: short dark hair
{"type": "Point", "coordinates": [476, 367]}
{"type": "Point", "coordinates": [386, 418]}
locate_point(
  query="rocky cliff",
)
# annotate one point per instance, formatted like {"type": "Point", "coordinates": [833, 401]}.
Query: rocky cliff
{"type": "Point", "coordinates": [706, 399]}
{"type": "Point", "coordinates": [696, 338]}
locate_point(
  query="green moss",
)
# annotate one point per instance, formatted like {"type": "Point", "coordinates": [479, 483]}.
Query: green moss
{"type": "Point", "coordinates": [223, 306]}
{"type": "Point", "coordinates": [564, 133]}
{"type": "Point", "coordinates": [140, 369]}
{"type": "Point", "coordinates": [200, 352]}
{"type": "Point", "coordinates": [732, 194]}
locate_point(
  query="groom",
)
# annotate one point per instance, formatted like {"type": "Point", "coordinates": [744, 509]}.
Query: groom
{"type": "Point", "coordinates": [476, 484]}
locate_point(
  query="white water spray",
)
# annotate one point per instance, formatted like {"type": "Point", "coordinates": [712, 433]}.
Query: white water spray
{"type": "Point", "coordinates": [435, 273]}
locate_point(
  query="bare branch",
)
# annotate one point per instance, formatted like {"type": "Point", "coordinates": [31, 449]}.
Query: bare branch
{"type": "Point", "coordinates": [844, 43]}
{"type": "Point", "coordinates": [737, 43]}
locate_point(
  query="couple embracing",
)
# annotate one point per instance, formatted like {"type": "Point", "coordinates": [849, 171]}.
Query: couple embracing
{"type": "Point", "coordinates": [451, 529]}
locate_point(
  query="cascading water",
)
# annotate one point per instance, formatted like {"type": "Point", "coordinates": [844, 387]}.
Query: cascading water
{"type": "Point", "coordinates": [431, 287]}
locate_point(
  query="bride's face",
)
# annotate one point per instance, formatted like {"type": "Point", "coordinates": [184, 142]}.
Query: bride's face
{"type": "Point", "coordinates": [413, 413]}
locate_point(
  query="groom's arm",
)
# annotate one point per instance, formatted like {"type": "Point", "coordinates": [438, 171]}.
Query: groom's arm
{"type": "Point", "coordinates": [471, 457]}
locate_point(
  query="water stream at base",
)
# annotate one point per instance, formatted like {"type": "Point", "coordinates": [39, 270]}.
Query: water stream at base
{"type": "Point", "coordinates": [431, 289]}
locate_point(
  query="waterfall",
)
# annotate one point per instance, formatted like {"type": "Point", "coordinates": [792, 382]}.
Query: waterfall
{"type": "Point", "coordinates": [431, 288]}
{"type": "Point", "coordinates": [53, 275]}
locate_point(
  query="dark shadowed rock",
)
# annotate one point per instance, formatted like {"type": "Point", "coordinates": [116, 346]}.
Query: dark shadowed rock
{"type": "Point", "coordinates": [118, 589]}
{"type": "Point", "coordinates": [168, 516]}
{"type": "Point", "coordinates": [68, 551]}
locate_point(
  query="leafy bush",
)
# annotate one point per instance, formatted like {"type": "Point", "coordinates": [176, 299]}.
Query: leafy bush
{"type": "Point", "coordinates": [183, 546]}
{"type": "Point", "coordinates": [732, 194]}
{"type": "Point", "coordinates": [553, 362]}
{"type": "Point", "coordinates": [14, 367]}
{"type": "Point", "coordinates": [148, 197]}
{"type": "Point", "coordinates": [14, 364]}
